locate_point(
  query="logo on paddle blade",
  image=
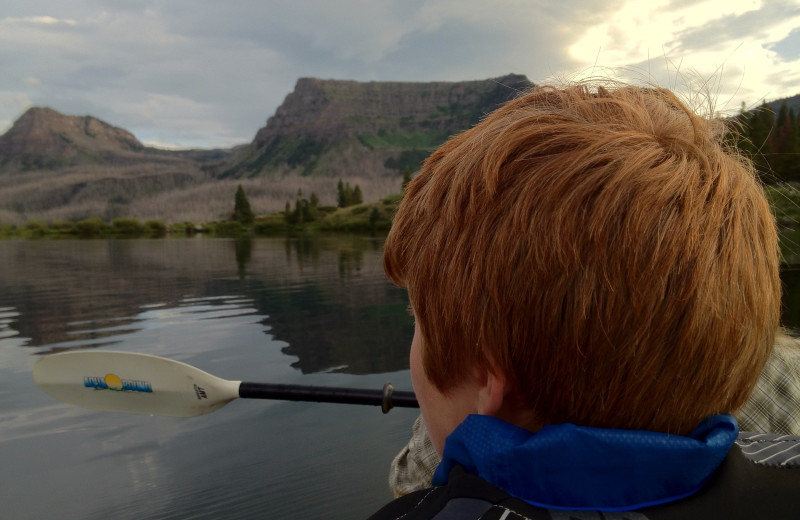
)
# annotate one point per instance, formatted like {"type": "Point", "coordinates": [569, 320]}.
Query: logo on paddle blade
{"type": "Point", "coordinates": [200, 392]}
{"type": "Point", "coordinates": [114, 382]}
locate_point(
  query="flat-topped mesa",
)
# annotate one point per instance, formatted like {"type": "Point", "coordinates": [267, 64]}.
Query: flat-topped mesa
{"type": "Point", "coordinates": [336, 127]}
{"type": "Point", "coordinates": [336, 108]}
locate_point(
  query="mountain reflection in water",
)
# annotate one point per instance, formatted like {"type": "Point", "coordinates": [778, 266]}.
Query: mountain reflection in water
{"type": "Point", "coordinates": [328, 299]}
{"type": "Point", "coordinates": [307, 311]}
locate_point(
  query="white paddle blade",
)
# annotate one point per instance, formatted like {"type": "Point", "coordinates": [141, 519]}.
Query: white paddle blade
{"type": "Point", "coordinates": [132, 383]}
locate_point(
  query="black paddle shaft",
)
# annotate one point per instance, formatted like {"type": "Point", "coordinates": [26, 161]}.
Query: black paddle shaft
{"type": "Point", "coordinates": [387, 398]}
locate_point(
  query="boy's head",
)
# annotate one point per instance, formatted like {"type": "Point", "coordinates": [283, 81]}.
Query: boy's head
{"type": "Point", "coordinates": [601, 249]}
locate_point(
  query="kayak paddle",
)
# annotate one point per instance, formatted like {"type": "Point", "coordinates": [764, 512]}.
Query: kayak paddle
{"type": "Point", "coordinates": [141, 383]}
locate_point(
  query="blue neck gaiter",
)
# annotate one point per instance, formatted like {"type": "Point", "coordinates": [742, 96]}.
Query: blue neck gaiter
{"type": "Point", "coordinates": [571, 467]}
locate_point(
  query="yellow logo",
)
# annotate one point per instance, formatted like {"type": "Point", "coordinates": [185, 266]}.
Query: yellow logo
{"type": "Point", "coordinates": [114, 382]}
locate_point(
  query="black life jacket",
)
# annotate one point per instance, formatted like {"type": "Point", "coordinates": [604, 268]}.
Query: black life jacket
{"type": "Point", "coordinates": [759, 478]}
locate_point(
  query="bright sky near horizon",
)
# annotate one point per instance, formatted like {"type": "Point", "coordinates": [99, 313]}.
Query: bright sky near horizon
{"type": "Point", "coordinates": [203, 73]}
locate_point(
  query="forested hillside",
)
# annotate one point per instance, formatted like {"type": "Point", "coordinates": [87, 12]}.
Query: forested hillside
{"type": "Point", "coordinates": [771, 138]}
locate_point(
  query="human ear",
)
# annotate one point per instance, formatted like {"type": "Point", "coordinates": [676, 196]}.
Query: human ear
{"type": "Point", "coordinates": [491, 392]}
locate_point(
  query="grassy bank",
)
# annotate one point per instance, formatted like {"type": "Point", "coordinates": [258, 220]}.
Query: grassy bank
{"type": "Point", "coordinates": [374, 217]}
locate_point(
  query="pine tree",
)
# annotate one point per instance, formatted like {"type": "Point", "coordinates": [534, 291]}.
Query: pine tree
{"type": "Point", "coordinates": [299, 211]}
{"type": "Point", "coordinates": [406, 178]}
{"type": "Point", "coordinates": [287, 213]}
{"type": "Point", "coordinates": [241, 210]}
{"type": "Point", "coordinates": [341, 198]}
{"type": "Point", "coordinates": [782, 161]}
{"type": "Point", "coordinates": [348, 195]}
{"type": "Point", "coordinates": [313, 204]}
{"type": "Point", "coordinates": [757, 129]}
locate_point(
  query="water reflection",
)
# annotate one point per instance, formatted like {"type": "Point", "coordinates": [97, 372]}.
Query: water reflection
{"type": "Point", "coordinates": [8, 316]}
{"type": "Point", "coordinates": [244, 250]}
{"type": "Point", "coordinates": [242, 310]}
{"type": "Point", "coordinates": [311, 311]}
{"type": "Point", "coordinates": [327, 299]}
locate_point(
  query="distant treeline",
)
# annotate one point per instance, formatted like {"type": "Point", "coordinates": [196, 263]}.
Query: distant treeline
{"type": "Point", "coordinates": [363, 218]}
{"type": "Point", "coordinates": [307, 216]}
{"type": "Point", "coordinates": [772, 142]}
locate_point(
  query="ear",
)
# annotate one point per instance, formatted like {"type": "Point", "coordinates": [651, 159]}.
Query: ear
{"type": "Point", "coordinates": [491, 392]}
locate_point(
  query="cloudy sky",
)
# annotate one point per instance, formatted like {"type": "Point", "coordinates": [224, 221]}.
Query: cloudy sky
{"type": "Point", "coordinates": [208, 73]}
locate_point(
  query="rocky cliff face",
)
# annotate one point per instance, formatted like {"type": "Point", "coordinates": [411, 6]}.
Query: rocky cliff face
{"type": "Point", "coordinates": [329, 127]}
{"type": "Point", "coordinates": [44, 138]}
{"type": "Point", "coordinates": [330, 109]}
{"type": "Point", "coordinates": [58, 167]}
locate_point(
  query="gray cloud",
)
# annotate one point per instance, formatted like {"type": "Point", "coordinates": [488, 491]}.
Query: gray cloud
{"type": "Point", "coordinates": [789, 47]}
{"type": "Point", "coordinates": [208, 73]}
{"type": "Point", "coordinates": [732, 28]}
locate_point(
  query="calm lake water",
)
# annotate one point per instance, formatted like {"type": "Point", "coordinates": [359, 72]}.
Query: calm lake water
{"type": "Point", "coordinates": [277, 310]}
{"type": "Point", "coordinates": [288, 311]}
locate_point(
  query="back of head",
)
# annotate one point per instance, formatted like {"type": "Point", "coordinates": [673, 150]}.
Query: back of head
{"type": "Point", "coordinates": [603, 249]}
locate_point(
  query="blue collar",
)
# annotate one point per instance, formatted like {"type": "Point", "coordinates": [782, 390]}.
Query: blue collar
{"type": "Point", "coordinates": [565, 466]}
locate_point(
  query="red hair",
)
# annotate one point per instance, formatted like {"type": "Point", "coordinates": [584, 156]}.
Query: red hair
{"type": "Point", "coordinates": [603, 249]}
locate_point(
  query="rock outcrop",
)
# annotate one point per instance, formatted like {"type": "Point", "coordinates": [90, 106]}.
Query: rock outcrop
{"type": "Point", "coordinates": [45, 139]}
{"type": "Point", "coordinates": [337, 128]}
{"type": "Point", "coordinates": [55, 166]}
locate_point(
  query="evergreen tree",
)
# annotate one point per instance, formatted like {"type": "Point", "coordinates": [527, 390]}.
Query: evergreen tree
{"type": "Point", "coordinates": [791, 167]}
{"type": "Point", "coordinates": [304, 210]}
{"type": "Point", "coordinates": [313, 204]}
{"type": "Point", "coordinates": [374, 216]}
{"type": "Point", "coordinates": [772, 142]}
{"type": "Point", "coordinates": [241, 210]}
{"type": "Point", "coordinates": [299, 207]}
{"type": "Point", "coordinates": [786, 144]}
{"type": "Point", "coordinates": [757, 127]}
{"type": "Point", "coordinates": [341, 196]}
{"type": "Point", "coordinates": [347, 196]}
{"type": "Point", "coordinates": [406, 178]}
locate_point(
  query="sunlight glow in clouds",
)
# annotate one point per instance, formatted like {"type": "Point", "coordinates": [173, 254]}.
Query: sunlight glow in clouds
{"type": "Point", "coordinates": [646, 25]}
{"type": "Point", "coordinates": [203, 73]}
{"type": "Point", "coordinates": [38, 20]}
{"type": "Point", "coordinates": [664, 45]}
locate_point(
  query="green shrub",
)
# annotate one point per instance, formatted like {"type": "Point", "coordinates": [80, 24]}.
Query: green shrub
{"type": "Point", "coordinates": [393, 199]}
{"type": "Point", "coordinates": [91, 227]}
{"type": "Point", "coordinates": [228, 228]}
{"type": "Point", "coordinates": [127, 226]}
{"type": "Point", "coordinates": [270, 224]}
{"type": "Point", "coordinates": [185, 228]}
{"type": "Point", "coordinates": [155, 228]}
{"type": "Point", "coordinates": [36, 228]}
{"type": "Point", "coordinates": [63, 227]}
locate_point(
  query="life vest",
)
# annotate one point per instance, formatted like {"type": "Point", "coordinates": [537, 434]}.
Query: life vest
{"type": "Point", "coordinates": [759, 478]}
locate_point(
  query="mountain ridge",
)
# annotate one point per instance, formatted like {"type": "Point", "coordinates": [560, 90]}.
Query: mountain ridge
{"type": "Point", "coordinates": [45, 138]}
{"type": "Point", "coordinates": [55, 166]}
{"type": "Point", "coordinates": [387, 125]}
